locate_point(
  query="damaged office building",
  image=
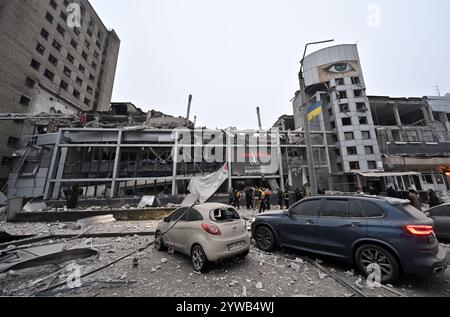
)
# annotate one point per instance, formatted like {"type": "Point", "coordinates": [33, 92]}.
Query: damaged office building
{"type": "Point", "coordinates": [379, 141]}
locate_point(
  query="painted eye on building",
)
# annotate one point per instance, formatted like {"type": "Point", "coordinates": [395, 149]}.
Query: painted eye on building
{"type": "Point", "coordinates": [340, 68]}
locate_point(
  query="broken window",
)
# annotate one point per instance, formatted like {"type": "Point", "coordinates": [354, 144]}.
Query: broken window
{"type": "Point", "coordinates": [70, 58]}
{"type": "Point", "coordinates": [13, 142]}
{"type": "Point", "coordinates": [61, 30]}
{"type": "Point", "coordinates": [40, 49]}
{"type": "Point", "coordinates": [339, 167]}
{"type": "Point", "coordinates": [56, 45]}
{"type": "Point", "coordinates": [344, 107]}
{"type": "Point", "coordinates": [397, 136]}
{"type": "Point", "coordinates": [428, 136]}
{"type": "Point", "coordinates": [361, 107]}
{"type": "Point", "coordinates": [67, 71]}
{"type": "Point", "coordinates": [428, 179]}
{"type": "Point", "coordinates": [224, 215]}
{"type": "Point", "coordinates": [52, 59]}
{"type": "Point", "coordinates": [356, 81]}
{"type": "Point", "coordinates": [44, 34]}
{"type": "Point", "coordinates": [349, 136]}
{"type": "Point", "coordinates": [358, 93]}
{"type": "Point", "coordinates": [333, 125]}
{"type": "Point", "coordinates": [366, 135]}
{"type": "Point", "coordinates": [411, 113]}
{"type": "Point", "coordinates": [342, 95]}
{"type": "Point", "coordinates": [354, 165]}
{"type": "Point", "coordinates": [352, 150]}
{"type": "Point", "coordinates": [24, 101]}
{"type": "Point", "coordinates": [412, 136]}
{"type": "Point", "coordinates": [30, 82]}
{"type": "Point", "coordinates": [53, 4]}
{"type": "Point", "coordinates": [346, 121]}
{"type": "Point", "coordinates": [368, 150]}
{"type": "Point", "coordinates": [76, 93]}
{"type": "Point", "coordinates": [334, 138]}
{"type": "Point", "coordinates": [74, 43]}
{"type": "Point", "coordinates": [63, 85]}
{"type": "Point", "coordinates": [48, 74]}
{"type": "Point", "coordinates": [363, 120]}
{"type": "Point", "coordinates": [372, 165]}
{"type": "Point", "coordinates": [340, 82]}
{"type": "Point", "coordinates": [49, 17]}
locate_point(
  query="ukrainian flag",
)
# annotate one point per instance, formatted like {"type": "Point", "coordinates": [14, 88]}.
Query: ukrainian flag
{"type": "Point", "coordinates": [315, 110]}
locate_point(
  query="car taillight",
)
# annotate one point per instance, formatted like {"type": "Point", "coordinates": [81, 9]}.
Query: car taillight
{"type": "Point", "coordinates": [418, 230]}
{"type": "Point", "coordinates": [211, 229]}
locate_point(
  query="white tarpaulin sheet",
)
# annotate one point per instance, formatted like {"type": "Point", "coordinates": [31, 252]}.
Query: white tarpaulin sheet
{"type": "Point", "coordinates": [205, 187]}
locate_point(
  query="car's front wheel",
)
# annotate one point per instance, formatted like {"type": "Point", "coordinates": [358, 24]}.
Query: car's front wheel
{"type": "Point", "coordinates": [377, 263]}
{"type": "Point", "coordinates": [265, 239]}
{"type": "Point", "coordinates": [198, 258]}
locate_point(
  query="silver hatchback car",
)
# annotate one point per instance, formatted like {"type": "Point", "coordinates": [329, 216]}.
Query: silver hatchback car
{"type": "Point", "coordinates": [207, 233]}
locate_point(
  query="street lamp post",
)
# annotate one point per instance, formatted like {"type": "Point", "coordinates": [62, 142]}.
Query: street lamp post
{"type": "Point", "coordinates": [309, 151]}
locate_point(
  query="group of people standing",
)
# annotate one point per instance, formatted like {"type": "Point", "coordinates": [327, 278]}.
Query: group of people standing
{"type": "Point", "coordinates": [255, 198]}
{"type": "Point", "coordinates": [260, 198]}
{"type": "Point", "coordinates": [414, 197]}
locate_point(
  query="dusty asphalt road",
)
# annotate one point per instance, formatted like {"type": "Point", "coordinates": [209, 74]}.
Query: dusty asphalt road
{"type": "Point", "coordinates": [163, 274]}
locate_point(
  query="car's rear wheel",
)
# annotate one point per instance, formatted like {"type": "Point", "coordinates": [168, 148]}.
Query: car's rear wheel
{"type": "Point", "coordinates": [265, 239]}
{"type": "Point", "coordinates": [369, 257]}
{"type": "Point", "coordinates": [159, 244]}
{"type": "Point", "coordinates": [198, 258]}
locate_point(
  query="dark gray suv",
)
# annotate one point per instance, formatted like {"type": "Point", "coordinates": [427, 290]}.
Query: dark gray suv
{"type": "Point", "coordinates": [361, 230]}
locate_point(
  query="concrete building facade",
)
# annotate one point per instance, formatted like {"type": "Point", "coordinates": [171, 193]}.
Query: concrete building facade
{"type": "Point", "coordinates": [49, 67]}
{"type": "Point", "coordinates": [380, 141]}
{"type": "Point", "coordinates": [335, 76]}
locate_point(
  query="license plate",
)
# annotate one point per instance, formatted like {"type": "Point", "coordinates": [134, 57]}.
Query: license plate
{"type": "Point", "coordinates": [236, 246]}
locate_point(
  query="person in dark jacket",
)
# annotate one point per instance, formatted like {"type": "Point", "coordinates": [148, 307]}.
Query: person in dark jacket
{"type": "Point", "coordinates": [413, 197]}
{"type": "Point", "coordinates": [434, 200]}
{"type": "Point", "coordinates": [298, 195]}
{"type": "Point", "coordinates": [249, 198]}
{"type": "Point", "coordinates": [287, 197]}
{"type": "Point", "coordinates": [280, 199]}
{"type": "Point", "coordinates": [231, 197]}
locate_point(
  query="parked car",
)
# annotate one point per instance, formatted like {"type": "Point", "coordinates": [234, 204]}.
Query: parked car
{"type": "Point", "coordinates": [358, 229]}
{"type": "Point", "coordinates": [207, 233]}
{"type": "Point", "coordinates": [441, 217]}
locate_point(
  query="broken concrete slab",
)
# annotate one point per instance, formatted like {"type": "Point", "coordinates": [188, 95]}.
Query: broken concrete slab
{"type": "Point", "coordinates": [6, 237]}
{"type": "Point", "coordinates": [39, 256]}
{"type": "Point", "coordinates": [147, 201]}
{"type": "Point", "coordinates": [92, 221]}
{"type": "Point", "coordinates": [35, 207]}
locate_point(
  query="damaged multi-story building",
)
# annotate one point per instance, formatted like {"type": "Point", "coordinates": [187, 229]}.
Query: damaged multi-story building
{"type": "Point", "coordinates": [379, 141]}
{"type": "Point", "coordinates": [57, 59]}
{"type": "Point", "coordinates": [357, 141]}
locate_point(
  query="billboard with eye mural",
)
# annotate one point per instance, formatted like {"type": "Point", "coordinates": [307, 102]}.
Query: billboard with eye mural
{"type": "Point", "coordinates": [339, 70]}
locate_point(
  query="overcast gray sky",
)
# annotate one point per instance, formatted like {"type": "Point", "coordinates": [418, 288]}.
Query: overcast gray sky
{"type": "Point", "coordinates": [235, 55]}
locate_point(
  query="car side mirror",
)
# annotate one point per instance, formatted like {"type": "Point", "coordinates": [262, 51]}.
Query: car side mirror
{"type": "Point", "coordinates": [427, 214]}
{"type": "Point", "coordinates": [167, 219]}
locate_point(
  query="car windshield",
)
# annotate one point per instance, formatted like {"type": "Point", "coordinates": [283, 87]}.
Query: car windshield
{"type": "Point", "coordinates": [412, 211]}
{"type": "Point", "coordinates": [224, 215]}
